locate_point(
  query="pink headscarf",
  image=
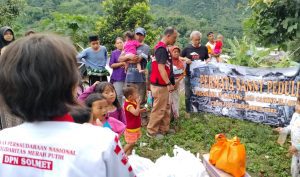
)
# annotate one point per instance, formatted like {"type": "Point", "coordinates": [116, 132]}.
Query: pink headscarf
{"type": "Point", "coordinates": [176, 62]}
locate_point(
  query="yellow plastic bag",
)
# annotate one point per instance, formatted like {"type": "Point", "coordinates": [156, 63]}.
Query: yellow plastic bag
{"type": "Point", "coordinates": [228, 155]}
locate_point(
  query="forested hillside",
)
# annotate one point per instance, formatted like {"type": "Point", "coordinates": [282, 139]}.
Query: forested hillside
{"type": "Point", "coordinates": [219, 16]}
{"type": "Point", "coordinates": [254, 23]}
{"type": "Point", "coordinates": [223, 16]}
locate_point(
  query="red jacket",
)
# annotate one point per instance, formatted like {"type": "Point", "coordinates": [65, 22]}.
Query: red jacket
{"type": "Point", "coordinates": [155, 76]}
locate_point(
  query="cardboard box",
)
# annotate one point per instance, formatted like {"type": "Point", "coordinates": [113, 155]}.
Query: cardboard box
{"type": "Point", "coordinates": [213, 171]}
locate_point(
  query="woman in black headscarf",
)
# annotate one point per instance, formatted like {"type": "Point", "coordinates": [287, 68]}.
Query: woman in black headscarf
{"type": "Point", "coordinates": [6, 36]}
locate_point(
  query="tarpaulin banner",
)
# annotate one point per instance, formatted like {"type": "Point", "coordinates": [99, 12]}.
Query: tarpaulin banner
{"type": "Point", "coordinates": [262, 95]}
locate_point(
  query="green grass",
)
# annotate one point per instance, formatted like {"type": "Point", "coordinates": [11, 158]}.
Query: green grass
{"type": "Point", "coordinates": [264, 156]}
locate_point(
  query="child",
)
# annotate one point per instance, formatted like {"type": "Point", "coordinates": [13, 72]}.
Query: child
{"type": "Point", "coordinates": [81, 115]}
{"type": "Point", "coordinates": [118, 75]}
{"type": "Point", "coordinates": [95, 59]}
{"type": "Point", "coordinates": [218, 47]}
{"type": "Point", "coordinates": [133, 117]}
{"type": "Point", "coordinates": [178, 70]}
{"type": "Point", "coordinates": [294, 129]}
{"type": "Point", "coordinates": [99, 105]}
{"type": "Point", "coordinates": [114, 108]}
{"type": "Point", "coordinates": [130, 48]}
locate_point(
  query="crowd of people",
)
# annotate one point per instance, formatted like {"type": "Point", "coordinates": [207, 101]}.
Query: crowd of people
{"type": "Point", "coordinates": [41, 84]}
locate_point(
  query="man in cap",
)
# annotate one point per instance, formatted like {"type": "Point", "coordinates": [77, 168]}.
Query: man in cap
{"type": "Point", "coordinates": [133, 76]}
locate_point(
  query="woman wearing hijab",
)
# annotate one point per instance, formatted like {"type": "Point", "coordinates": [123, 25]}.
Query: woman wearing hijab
{"type": "Point", "coordinates": [6, 119]}
{"type": "Point", "coordinates": [179, 64]}
{"type": "Point", "coordinates": [6, 37]}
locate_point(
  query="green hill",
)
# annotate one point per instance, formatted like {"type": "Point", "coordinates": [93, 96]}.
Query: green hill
{"type": "Point", "coordinates": [219, 16]}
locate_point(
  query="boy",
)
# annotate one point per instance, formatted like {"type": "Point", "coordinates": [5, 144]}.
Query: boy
{"type": "Point", "coordinates": [95, 59]}
{"type": "Point", "coordinates": [133, 118]}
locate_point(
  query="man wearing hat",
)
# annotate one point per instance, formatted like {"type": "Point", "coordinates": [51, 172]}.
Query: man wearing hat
{"type": "Point", "coordinates": [133, 76]}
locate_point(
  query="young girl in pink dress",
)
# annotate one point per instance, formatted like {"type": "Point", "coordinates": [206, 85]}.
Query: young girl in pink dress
{"type": "Point", "coordinates": [130, 48]}
{"type": "Point", "coordinates": [218, 47]}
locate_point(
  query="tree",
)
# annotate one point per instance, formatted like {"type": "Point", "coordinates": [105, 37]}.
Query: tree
{"type": "Point", "coordinates": [77, 27]}
{"type": "Point", "coordinates": [123, 15]}
{"type": "Point", "coordinates": [274, 21]}
{"type": "Point", "coordinates": [10, 10]}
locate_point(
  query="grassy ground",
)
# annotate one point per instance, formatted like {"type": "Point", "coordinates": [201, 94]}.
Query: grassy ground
{"type": "Point", "coordinates": [264, 156]}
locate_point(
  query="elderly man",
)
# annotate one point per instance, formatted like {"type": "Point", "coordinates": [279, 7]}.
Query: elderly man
{"type": "Point", "coordinates": [194, 51]}
{"type": "Point", "coordinates": [162, 83]}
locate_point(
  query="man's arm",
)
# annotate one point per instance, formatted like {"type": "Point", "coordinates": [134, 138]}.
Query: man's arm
{"type": "Point", "coordinates": [81, 55]}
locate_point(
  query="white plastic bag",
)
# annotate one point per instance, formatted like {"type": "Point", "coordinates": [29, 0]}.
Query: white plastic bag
{"type": "Point", "coordinates": [139, 164]}
{"type": "Point", "coordinates": [183, 164]}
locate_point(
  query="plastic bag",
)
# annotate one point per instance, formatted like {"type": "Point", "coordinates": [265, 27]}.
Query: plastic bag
{"type": "Point", "coordinates": [229, 155]}
{"type": "Point", "coordinates": [282, 137]}
{"type": "Point", "coordinates": [149, 100]}
{"type": "Point", "coordinates": [183, 164]}
{"type": "Point", "coordinates": [139, 164]}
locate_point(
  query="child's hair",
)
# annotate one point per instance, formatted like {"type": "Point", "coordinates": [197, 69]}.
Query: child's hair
{"type": "Point", "coordinates": [219, 35]}
{"type": "Point", "coordinates": [129, 90]}
{"type": "Point", "coordinates": [129, 35]}
{"type": "Point", "coordinates": [81, 114]}
{"type": "Point", "coordinates": [209, 33]}
{"type": "Point", "coordinates": [92, 98]}
{"type": "Point", "coordinates": [101, 87]}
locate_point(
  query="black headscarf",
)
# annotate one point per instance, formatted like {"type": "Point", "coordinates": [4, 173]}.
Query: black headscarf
{"type": "Point", "coordinates": [3, 30]}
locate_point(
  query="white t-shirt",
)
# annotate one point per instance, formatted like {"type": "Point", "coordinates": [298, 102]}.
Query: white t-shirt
{"type": "Point", "coordinates": [212, 46]}
{"type": "Point", "coordinates": [61, 149]}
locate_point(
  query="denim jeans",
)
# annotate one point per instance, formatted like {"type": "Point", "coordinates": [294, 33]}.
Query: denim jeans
{"type": "Point", "coordinates": [119, 90]}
